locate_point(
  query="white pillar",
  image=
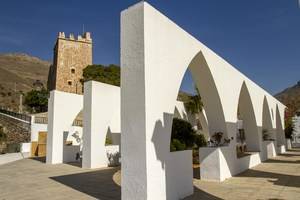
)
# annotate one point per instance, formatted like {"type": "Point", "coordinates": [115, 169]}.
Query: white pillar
{"type": "Point", "coordinates": [101, 113]}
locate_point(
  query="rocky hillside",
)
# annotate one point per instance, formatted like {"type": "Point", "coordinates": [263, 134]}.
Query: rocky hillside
{"type": "Point", "coordinates": [290, 97]}
{"type": "Point", "coordinates": [18, 73]}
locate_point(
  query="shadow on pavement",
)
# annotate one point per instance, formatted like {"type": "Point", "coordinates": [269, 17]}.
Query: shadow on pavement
{"type": "Point", "coordinates": [40, 159]}
{"type": "Point", "coordinates": [98, 184]}
{"type": "Point", "coordinates": [200, 194]}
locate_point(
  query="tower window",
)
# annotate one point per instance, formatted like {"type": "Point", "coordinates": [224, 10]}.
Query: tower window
{"type": "Point", "coordinates": [73, 71]}
{"type": "Point", "coordinates": [69, 83]}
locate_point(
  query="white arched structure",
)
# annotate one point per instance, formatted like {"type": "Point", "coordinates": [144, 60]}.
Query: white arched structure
{"type": "Point", "coordinates": [155, 53]}
{"type": "Point", "coordinates": [280, 135]}
{"type": "Point", "coordinates": [62, 110]}
{"type": "Point", "coordinates": [246, 112]}
{"type": "Point", "coordinates": [268, 128]}
{"type": "Point", "coordinates": [101, 116]}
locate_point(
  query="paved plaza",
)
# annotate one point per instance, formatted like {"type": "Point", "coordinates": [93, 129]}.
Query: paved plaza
{"type": "Point", "coordinates": [278, 178]}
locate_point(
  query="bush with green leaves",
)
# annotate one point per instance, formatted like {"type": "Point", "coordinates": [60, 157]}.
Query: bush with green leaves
{"type": "Point", "coordinates": [184, 137]}
{"type": "Point", "coordinates": [289, 127]}
{"type": "Point", "coordinates": [176, 145]}
{"type": "Point", "coordinates": [105, 74]}
{"type": "Point", "coordinates": [37, 100]}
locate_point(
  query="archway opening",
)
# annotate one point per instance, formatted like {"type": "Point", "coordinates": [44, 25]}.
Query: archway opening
{"type": "Point", "coordinates": [247, 131]}
{"type": "Point", "coordinates": [267, 127]}
{"type": "Point", "coordinates": [279, 129]}
{"type": "Point", "coordinates": [199, 105]}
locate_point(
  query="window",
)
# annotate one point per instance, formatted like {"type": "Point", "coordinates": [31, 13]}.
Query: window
{"type": "Point", "coordinates": [69, 83]}
{"type": "Point", "coordinates": [73, 71]}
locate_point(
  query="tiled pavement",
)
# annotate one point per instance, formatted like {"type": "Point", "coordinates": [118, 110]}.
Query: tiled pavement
{"type": "Point", "coordinates": [278, 178]}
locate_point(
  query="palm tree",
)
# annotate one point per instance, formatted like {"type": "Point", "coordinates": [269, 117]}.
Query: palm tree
{"type": "Point", "coordinates": [194, 104]}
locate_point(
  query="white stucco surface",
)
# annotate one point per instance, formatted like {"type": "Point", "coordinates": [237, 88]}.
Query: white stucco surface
{"type": "Point", "coordinates": [155, 53]}
{"type": "Point", "coordinates": [36, 128]}
{"type": "Point", "coordinates": [101, 115]}
{"type": "Point", "coordinates": [62, 110]}
{"type": "Point", "coordinates": [25, 147]}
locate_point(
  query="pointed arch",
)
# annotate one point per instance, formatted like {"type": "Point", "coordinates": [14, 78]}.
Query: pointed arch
{"type": "Point", "coordinates": [279, 128]}
{"type": "Point", "coordinates": [267, 126]}
{"type": "Point", "coordinates": [247, 115]}
{"type": "Point", "coordinates": [205, 82]}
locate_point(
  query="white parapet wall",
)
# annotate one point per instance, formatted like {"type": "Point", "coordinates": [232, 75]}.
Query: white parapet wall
{"type": "Point", "coordinates": [220, 163]}
{"type": "Point", "coordinates": [268, 150]}
{"type": "Point", "coordinates": [25, 147]}
{"type": "Point", "coordinates": [101, 116]}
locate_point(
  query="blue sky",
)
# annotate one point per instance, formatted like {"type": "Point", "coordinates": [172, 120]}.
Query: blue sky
{"type": "Point", "coordinates": [259, 37]}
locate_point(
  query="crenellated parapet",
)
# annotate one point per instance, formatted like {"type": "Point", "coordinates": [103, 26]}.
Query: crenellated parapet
{"type": "Point", "coordinates": [85, 37]}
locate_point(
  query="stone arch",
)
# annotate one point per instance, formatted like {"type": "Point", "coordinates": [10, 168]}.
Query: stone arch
{"type": "Point", "coordinates": [247, 115]}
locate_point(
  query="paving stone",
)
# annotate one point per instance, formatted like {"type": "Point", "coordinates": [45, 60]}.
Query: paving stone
{"type": "Point", "coordinates": [30, 179]}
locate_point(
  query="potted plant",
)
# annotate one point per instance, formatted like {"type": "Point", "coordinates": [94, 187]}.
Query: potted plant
{"type": "Point", "coordinates": [265, 134]}
{"type": "Point", "coordinates": [217, 139]}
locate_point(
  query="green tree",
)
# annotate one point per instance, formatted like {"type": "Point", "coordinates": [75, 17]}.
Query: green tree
{"type": "Point", "coordinates": [183, 136]}
{"type": "Point", "coordinates": [194, 103]}
{"type": "Point", "coordinates": [289, 127]}
{"type": "Point", "coordinates": [37, 100]}
{"type": "Point", "coordinates": [105, 74]}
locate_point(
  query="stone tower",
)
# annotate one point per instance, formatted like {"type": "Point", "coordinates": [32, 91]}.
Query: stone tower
{"type": "Point", "coordinates": [71, 56]}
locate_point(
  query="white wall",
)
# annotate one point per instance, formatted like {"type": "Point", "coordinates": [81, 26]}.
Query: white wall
{"type": "Point", "coordinates": [101, 115]}
{"type": "Point", "coordinates": [155, 54]}
{"type": "Point", "coordinates": [35, 129]}
{"type": "Point", "coordinates": [25, 147]}
{"type": "Point", "coordinates": [77, 130]}
{"type": "Point", "coordinates": [62, 110]}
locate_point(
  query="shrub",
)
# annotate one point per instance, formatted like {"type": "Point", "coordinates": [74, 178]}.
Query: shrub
{"type": "Point", "coordinates": [37, 100]}
{"type": "Point", "coordinates": [184, 132]}
{"type": "Point", "coordinates": [108, 141]}
{"type": "Point", "coordinates": [105, 74]}
{"type": "Point", "coordinates": [200, 141]}
{"type": "Point", "coordinates": [176, 145]}
{"type": "Point", "coordinates": [289, 127]}
{"type": "Point", "coordinates": [185, 137]}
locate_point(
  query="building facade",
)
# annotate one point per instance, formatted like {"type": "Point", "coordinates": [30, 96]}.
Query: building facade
{"type": "Point", "coordinates": [296, 132]}
{"type": "Point", "coordinates": [71, 56]}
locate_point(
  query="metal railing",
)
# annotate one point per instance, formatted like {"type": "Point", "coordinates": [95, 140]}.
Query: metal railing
{"type": "Point", "coordinates": [20, 116]}
{"type": "Point", "coordinates": [41, 120]}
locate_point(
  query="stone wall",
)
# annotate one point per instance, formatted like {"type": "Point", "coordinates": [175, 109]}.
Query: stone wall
{"type": "Point", "coordinates": [71, 56]}
{"type": "Point", "coordinates": [17, 131]}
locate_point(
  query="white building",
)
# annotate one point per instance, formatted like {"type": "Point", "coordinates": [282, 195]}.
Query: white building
{"type": "Point", "coordinates": [296, 132]}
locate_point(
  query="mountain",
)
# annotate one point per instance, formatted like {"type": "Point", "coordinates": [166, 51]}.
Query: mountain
{"type": "Point", "coordinates": [18, 73]}
{"type": "Point", "coordinates": [290, 97]}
